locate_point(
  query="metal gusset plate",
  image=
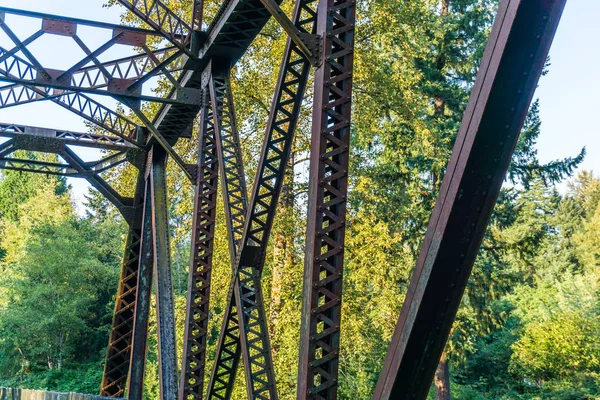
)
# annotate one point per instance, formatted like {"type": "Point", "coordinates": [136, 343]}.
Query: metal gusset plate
{"type": "Point", "coordinates": [512, 64]}
{"type": "Point", "coordinates": [326, 219]}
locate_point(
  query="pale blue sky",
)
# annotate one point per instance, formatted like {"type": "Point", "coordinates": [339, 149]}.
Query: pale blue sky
{"type": "Point", "coordinates": [568, 104]}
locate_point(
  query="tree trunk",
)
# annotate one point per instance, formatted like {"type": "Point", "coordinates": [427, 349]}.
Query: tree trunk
{"type": "Point", "coordinates": [442, 380]}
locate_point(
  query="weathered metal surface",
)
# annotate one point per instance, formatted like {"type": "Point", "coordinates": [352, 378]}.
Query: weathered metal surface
{"type": "Point", "coordinates": [235, 197]}
{"type": "Point", "coordinates": [511, 66]}
{"type": "Point", "coordinates": [165, 304]}
{"type": "Point", "coordinates": [79, 78]}
{"type": "Point", "coordinates": [160, 17]}
{"type": "Point", "coordinates": [275, 154]}
{"type": "Point", "coordinates": [203, 232]}
{"type": "Point", "coordinates": [49, 136]}
{"type": "Point", "coordinates": [139, 344]}
{"type": "Point", "coordinates": [326, 218]}
{"type": "Point", "coordinates": [117, 365]}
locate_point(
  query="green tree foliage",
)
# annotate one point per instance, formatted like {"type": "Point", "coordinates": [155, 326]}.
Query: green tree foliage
{"type": "Point", "coordinates": [58, 281]}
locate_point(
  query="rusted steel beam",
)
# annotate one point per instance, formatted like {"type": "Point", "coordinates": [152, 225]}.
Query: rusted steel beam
{"type": "Point", "coordinates": [228, 36]}
{"type": "Point", "coordinates": [53, 136]}
{"type": "Point", "coordinates": [160, 17]}
{"type": "Point", "coordinates": [66, 26]}
{"type": "Point", "coordinates": [118, 355]}
{"type": "Point", "coordinates": [139, 344]}
{"type": "Point", "coordinates": [203, 234]}
{"type": "Point", "coordinates": [188, 170]}
{"type": "Point", "coordinates": [165, 304]}
{"type": "Point", "coordinates": [276, 150]}
{"type": "Point", "coordinates": [326, 218]}
{"type": "Point", "coordinates": [7, 147]}
{"type": "Point", "coordinates": [43, 167]}
{"type": "Point", "coordinates": [124, 205]}
{"type": "Point", "coordinates": [97, 79]}
{"type": "Point", "coordinates": [119, 361]}
{"type": "Point", "coordinates": [235, 197]}
{"type": "Point", "coordinates": [307, 44]}
{"type": "Point", "coordinates": [512, 64]}
{"type": "Point", "coordinates": [77, 103]}
{"type": "Point", "coordinates": [197, 15]}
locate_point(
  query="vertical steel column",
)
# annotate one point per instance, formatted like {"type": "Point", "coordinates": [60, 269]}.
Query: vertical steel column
{"type": "Point", "coordinates": [203, 232]}
{"type": "Point", "coordinates": [512, 63]}
{"type": "Point", "coordinates": [165, 308]}
{"type": "Point", "coordinates": [235, 196]}
{"type": "Point", "coordinates": [276, 150]}
{"type": "Point", "coordinates": [328, 187]}
{"type": "Point", "coordinates": [135, 384]}
{"type": "Point", "coordinates": [118, 355]}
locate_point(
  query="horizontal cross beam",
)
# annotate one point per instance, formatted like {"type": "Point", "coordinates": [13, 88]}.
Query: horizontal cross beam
{"type": "Point", "coordinates": [51, 137]}
{"type": "Point", "coordinates": [113, 87]}
{"type": "Point", "coordinates": [78, 103]}
{"type": "Point", "coordinates": [67, 25]}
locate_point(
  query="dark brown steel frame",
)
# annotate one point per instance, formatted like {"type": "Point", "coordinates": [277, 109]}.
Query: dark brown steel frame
{"type": "Point", "coordinates": [321, 33]}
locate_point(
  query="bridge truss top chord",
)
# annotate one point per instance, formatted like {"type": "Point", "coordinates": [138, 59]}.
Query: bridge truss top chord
{"type": "Point", "coordinates": [193, 66]}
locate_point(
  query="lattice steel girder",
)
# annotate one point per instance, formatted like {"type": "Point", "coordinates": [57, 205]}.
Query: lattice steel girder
{"type": "Point", "coordinates": [117, 363]}
{"type": "Point", "coordinates": [276, 150]}
{"type": "Point", "coordinates": [235, 198]}
{"type": "Point", "coordinates": [326, 218]}
{"type": "Point", "coordinates": [165, 303]}
{"type": "Point", "coordinates": [512, 64]}
{"type": "Point", "coordinates": [160, 17]}
{"type": "Point", "coordinates": [51, 138]}
{"type": "Point", "coordinates": [43, 167]}
{"type": "Point", "coordinates": [203, 232]}
{"type": "Point", "coordinates": [139, 342]}
{"type": "Point", "coordinates": [96, 79]}
{"type": "Point", "coordinates": [67, 26]}
{"type": "Point", "coordinates": [83, 106]}
{"type": "Point", "coordinates": [114, 88]}
{"type": "Point", "coordinates": [307, 43]}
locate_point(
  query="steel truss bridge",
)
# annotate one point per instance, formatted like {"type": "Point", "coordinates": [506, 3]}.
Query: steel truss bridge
{"type": "Point", "coordinates": [196, 64]}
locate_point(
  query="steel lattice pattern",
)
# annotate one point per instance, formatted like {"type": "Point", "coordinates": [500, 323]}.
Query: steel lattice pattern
{"type": "Point", "coordinates": [203, 233]}
{"type": "Point", "coordinates": [117, 359]}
